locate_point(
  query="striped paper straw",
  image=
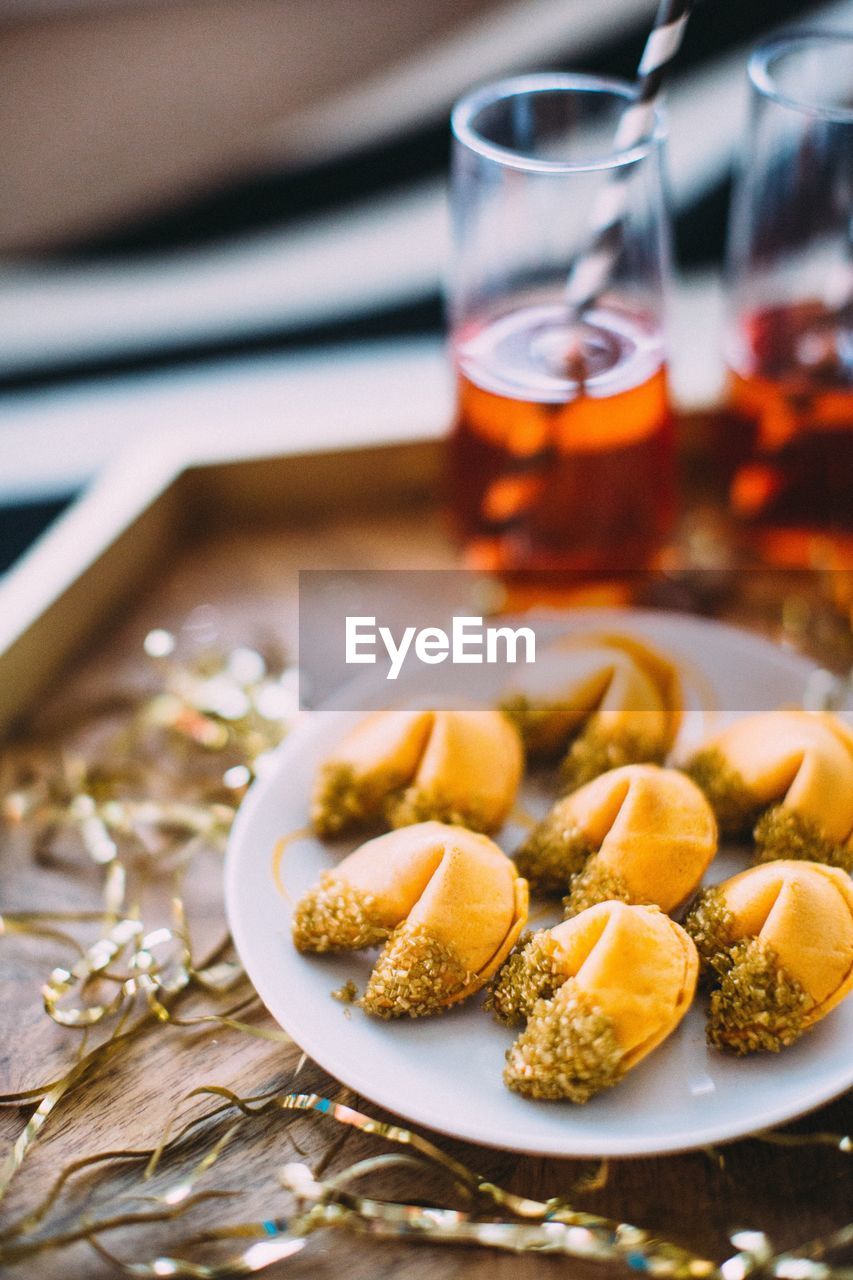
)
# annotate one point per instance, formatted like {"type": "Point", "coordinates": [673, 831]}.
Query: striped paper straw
{"type": "Point", "coordinates": [593, 268]}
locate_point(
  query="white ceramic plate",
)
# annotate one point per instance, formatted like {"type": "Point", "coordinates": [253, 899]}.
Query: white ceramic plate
{"type": "Point", "coordinates": [445, 1072]}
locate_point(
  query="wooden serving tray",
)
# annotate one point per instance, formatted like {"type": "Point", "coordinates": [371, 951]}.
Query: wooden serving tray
{"type": "Point", "coordinates": [224, 529]}
{"type": "Point", "coordinates": [183, 516]}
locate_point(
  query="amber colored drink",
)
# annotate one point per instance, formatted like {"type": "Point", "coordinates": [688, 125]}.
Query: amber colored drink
{"type": "Point", "coordinates": [791, 425]}
{"type": "Point", "coordinates": [562, 453]}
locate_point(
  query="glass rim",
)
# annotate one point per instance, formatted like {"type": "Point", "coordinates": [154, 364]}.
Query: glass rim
{"type": "Point", "coordinates": [462, 127]}
{"type": "Point", "coordinates": [763, 80]}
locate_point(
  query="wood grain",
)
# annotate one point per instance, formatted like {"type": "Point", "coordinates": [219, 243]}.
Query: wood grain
{"type": "Point", "coordinates": [248, 576]}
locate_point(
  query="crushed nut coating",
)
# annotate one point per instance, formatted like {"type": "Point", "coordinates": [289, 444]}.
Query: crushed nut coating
{"type": "Point", "coordinates": [552, 853]}
{"type": "Point", "coordinates": [567, 1050]}
{"type": "Point", "coordinates": [405, 808]}
{"type": "Point", "coordinates": [725, 790]}
{"type": "Point", "coordinates": [336, 917]}
{"type": "Point", "coordinates": [596, 751]}
{"type": "Point", "coordinates": [757, 1006]}
{"type": "Point", "coordinates": [344, 801]}
{"type": "Point", "coordinates": [347, 994]}
{"type": "Point", "coordinates": [595, 883]}
{"type": "Point", "coordinates": [782, 833]}
{"type": "Point", "coordinates": [529, 974]}
{"type": "Point", "coordinates": [415, 975]}
{"type": "Point", "coordinates": [709, 924]}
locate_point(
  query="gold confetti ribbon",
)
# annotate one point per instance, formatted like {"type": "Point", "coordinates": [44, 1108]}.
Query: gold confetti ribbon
{"type": "Point", "coordinates": [551, 1226]}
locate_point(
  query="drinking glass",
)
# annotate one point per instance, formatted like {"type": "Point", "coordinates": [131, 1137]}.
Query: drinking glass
{"type": "Point", "coordinates": [561, 454]}
{"type": "Point", "coordinates": [789, 340]}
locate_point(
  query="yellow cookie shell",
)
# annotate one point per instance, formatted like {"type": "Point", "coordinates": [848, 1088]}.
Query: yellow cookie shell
{"type": "Point", "coordinates": [616, 700]}
{"type": "Point", "coordinates": [446, 902]}
{"type": "Point", "coordinates": [402, 767]}
{"type": "Point", "coordinates": [788, 773]}
{"type": "Point", "coordinates": [641, 834]}
{"type": "Point", "coordinates": [598, 992]}
{"type": "Point", "coordinates": [777, 942]}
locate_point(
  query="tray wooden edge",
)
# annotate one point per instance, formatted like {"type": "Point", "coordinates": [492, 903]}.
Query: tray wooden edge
{"type": "Point", "coordinates": [109, 543]}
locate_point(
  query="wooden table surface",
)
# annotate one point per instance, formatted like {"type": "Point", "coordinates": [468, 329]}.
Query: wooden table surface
{"type": "Point", "coordinates": [249, 577]}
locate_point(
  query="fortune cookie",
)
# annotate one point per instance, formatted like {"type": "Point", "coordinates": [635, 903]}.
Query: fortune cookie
{"type": "Point", "coordinates": [639, 834]}
{"type": "Point", "coordinates": [598, 993]}
{"type": "Point", "coordinates": [446, 902]}
{"type": "Point", "coordinates": [410, 766]}
{"type": "Point", "coordinates": [616, 701]}
{"type": "Point", "coordinates": [777, 940]}
{"type": "Point", "coordinates": [793, 772]}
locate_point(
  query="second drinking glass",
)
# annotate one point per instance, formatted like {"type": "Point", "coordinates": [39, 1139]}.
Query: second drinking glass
{"type": "Point", "coordinates": [562, 455]}
{"type": "Point", "coordinates": [789, 340]}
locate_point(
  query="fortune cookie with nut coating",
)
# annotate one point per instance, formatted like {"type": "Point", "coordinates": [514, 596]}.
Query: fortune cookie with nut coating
{"type": "Point", "coordinates": [615, 700]}
{"type": "Point", "coordinates": [777, 942]}
{"type": "Point", "coordinates": [640, 834]}
{"type": "Point", "coordinates": [792, 771]}
{"type": "Point", "coordinates": [598, 992]}
{"type": "Point", "coordinates": [400, 767]}
{"type": "Point", "coordinates": [446, 902]}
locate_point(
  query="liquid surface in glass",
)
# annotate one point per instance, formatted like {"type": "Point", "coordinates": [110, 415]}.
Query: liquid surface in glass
{"type": "Point", "coordinates": [562, 451]}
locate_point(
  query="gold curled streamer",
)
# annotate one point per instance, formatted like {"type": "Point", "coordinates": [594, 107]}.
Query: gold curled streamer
{"type": "Point", "coordinates": [218, 977]}
{"type": "Point", "coordinates": [97, 1058]}
{"type": "Point", "coordinates": [11, 924]}
{"type": "Point", "coordinates": [181, 1189]}
{"type": "Point", "coordinates": [754, 1252]}
{"type": "Point", "coordinates": [174, 1195]}
{"type": "Point", "coordinates": [794, 1264]}
{"type": "Point", "coordinates": [279, 1246]}
{"type": "Point", "coordinates": [623, 1240]}
{"type": "Point", "coordinates": [17, 1252]}
{"type": "Point", "coordinates": [393, 1220]}
{"type": "Point", "coordinates": [26, 919]}
{"type": "Point", "coordinates": [838, 1141]}
{"type": "Point", "coordinates": [94, 962]}
{"type": "Point", "coordinates": [64, 790]}
{"type": "Point", "coordinates": [556, 1230]}
{"type": "Point", "coordinates": [272, 1034]}
{"type": "Point", "coordinates": [362, 1169]}
{"type": "Point", "coordinates": [30, 1220]}
{"type": "Point", "coordinates": [92, 1062]}
{"type": "Point", "coordinates": [150, 1155]}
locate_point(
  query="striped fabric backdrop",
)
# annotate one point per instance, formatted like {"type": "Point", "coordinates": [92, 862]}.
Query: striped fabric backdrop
{"type": "Point", "coordinates": [351, 243]}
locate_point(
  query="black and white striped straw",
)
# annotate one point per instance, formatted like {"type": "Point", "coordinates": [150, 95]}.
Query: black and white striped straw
{"type": "Point", "coordinates": [593, 268]}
